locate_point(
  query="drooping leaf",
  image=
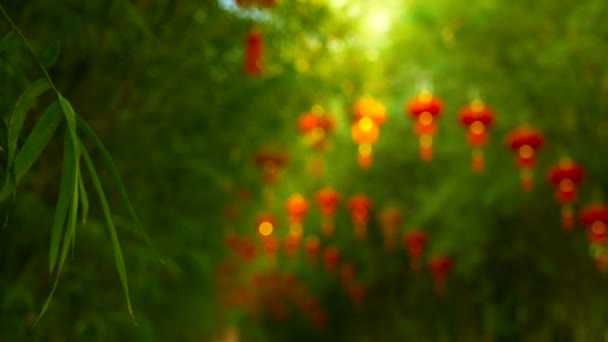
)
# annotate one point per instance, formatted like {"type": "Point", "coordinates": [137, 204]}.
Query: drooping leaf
{"type": "Point", "coordinates": [19, 113]}
{"type": "Point", "coordinates": [49, 56]}
{"type": "Point", "coordinates": [88, 131]}
{"type": "Point", "coordinates": [84, 199]}
{"type": "Point", "coordinates": [64, 199]}
{"type": "Point", "coordinates": [70, 117]}
{"type": "Point", "coordinates": [37, 140]}
{"type": "Point", "coordinates": [118, 258]}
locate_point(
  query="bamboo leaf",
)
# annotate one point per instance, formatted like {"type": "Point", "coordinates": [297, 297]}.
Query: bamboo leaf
{"type": "Point", "coordinates": [19, 113]}
{"type": "Point", "coordinates": [116, 176]}
{"type": "Point", "coordinates": [70, 117]}
{"type": "Point", "coordinates": [37, 140]}
{"type": "Point", "coordinates": [84, 199]}
{"type": "Point", "coordinates": [64, 252]}
{"type": "Point", "coordinates": [118, 258]}
{"type": "Point", "coordinates": [63, 201]}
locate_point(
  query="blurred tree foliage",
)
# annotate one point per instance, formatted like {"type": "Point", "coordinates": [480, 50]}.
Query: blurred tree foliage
{"type": "Point", "coordinates": [161, 82]}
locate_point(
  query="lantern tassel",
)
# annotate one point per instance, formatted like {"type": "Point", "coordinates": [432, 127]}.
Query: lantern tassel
{"type": "Point", "coordinates": [365, 156]}
{"type": "Point", "coordinates": [426, 147]}
{"type": "Point", "coordinates": [568, 217]}
{"type": "Point", "coordinates": [327, 227]}
{"type": "Point", "coordinates": [360, 231]}
{"type": "Point", "coordinates": [527, 178]}
{"type": "Point", "coordinates": [478, 160]}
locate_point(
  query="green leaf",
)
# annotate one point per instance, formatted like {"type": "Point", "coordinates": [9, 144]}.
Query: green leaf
{"type": "Point", "coordinates": [37, 140]}
{"type": "Point", "coordinates": [118, 258]}
{"type": "Point", "coordinates": [84, 199]}
{"type": "Point", "coordinates": [63, 201]}
{"type": "Point", "coordinates": [64, 252]}
{"type": "Point", "coordinates": [114, 173]}
{"type": "Point", "coordinates": [19, 113]}
{"type": "Point", "coordinates": [49, 56]}
{"type": "Point", "coordinates": [70, 117]}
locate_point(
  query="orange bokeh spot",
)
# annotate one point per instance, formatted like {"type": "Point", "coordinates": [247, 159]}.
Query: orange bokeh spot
{"type": "Point", "coordinates": [366, 124]}
{"type": "Point", "coordinates": [566, 184]}
{"type": "Point", "coordinates": [598, 227]}
{"type": "Point", "coordinates": [477, 127]}
{"type": "Point", "coordinates": [266, 228]}
{"type": "Point", "coordinates": [425, 118]}
{"type": "Point", "coordinates": [526, 151]}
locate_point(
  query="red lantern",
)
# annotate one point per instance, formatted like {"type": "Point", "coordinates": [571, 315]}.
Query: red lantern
{"type": "Point", "coordinates": [254, 53]}
{"type": "Point", "coordinates": [313, 247]}
{"type": "Point", "coordinates": [292, 243]}
{"type": "Point", "coordinates": [600, 255]}
{"type": "Point", "coordinates": [270, 163]}
{"type": "Point", "coordinates": [331, 258]}
{"type": "Point", "coordinates": [440, 268]}
{"type": "Point", "coordinates": [415, 243]}
{"type": "Point", "coordinates": [595, 218]}
{"type": "Point", "coordinates": [266, 224]}
{"type": "Point", "coordinates": [566, 175]}
{"type": "Point", "coordinates": [524, 141]}
{"type": "Point", "coordinates": [356, 292]}
{"type": "Point", "coordinates": [297, 206]}
{"type": "Point", "coordinates": [369, 116]}
{"type": "Point", "coordinates": [328, 200]}
{"type": "Point", "coordinates": [477, 117]}
{"type": "Point", "coordinates": [315, 127]}
{"type": "Point", "coordinates": [390, 219]}
{"type": "Point", "coordinates": [425, 109]}
{"type": "Point", "coordinates": [271, 246]}
{"type": "Point", "coordinates": [347, 274]}
{"type": "Point", "coordinates": [360, 206]}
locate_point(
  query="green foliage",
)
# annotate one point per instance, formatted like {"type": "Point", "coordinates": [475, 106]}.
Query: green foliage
{"type": "Point", "coordinates": [160, 83]}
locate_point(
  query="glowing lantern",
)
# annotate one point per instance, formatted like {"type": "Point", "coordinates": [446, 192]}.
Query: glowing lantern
{"type": "Point", "coordinates": [315, 127]}
{"type": "Point", "coordinates": [524, 141]}
{"type": "Point", "coordinates": [369, 116]}
{"type": "Point", "coordinates": [477, 117]}
{"type": "Point", "coordinates": [266, 224]}
{"type": "Point", "coordinates": [270, 163]}
{"type": "Point", "coordinates": [566, 175]}
{"type": "Point", "coordinates": [415, 243]}
{"type": "Point", "coordinates": [254, 53]}
{"type": "Point", "coordinates": [312, 247]}
{"type": "Point", "coordinates": [271, 246]}
{"type": "Point", "coordinates": [328, 200]}
{"type": "Point", "coordinates": [331, 258]}
{"type": "Point", "coordinates": [440, 269]}
{"type": "Point", "coordinates": [360, 206]}
{"type": "Point", "coordinates": [292, 243]}
{"type": "Point", "coordinates": [390, 219]}
{"type": "Point", "coordinates": [347, 274]}
{"type": "Point", "coordinates": [297, 206]}
{"type": "Point", "coordinates": [425, 109]}
{"type": "Point", "coordinates": [595, 218]}
{"type": "Point", "coordinates": [356, 292]}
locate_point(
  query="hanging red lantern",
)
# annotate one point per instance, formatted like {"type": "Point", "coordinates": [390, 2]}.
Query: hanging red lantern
{"type": "Point", "coordinates": [390, 219]}
{"type": "Point", "coordinates": [315, 126]}
{"type": "Point", "coordinates": [415, 243]}
{"type": "Point", "coordinates": [440, 268]}
{"type": "Point", "coordinates": [524, 141]}
{"type": "Point", "coordinates": [347, 274]}
{"type": "Point", "coordinates": [270, 162]}
{"type": "Point", "coordinates": [313, 247]}
{"type": "Point", "coordinates": [254, 53]}
{"type": "Point", "coordinates": [425, 109]}
{"type": "Point", "coordinates": [357, 292]}
{"type": "Point", "coordinates": [292, 244]}
{"type": "Point", "coordinates": [600, 255]}
{"type": "Point", "coordinates": [331, 258]}
{"type": "Point", "coordinates": [297, 207]}
{"type": "Point", "coordinates": [595, 218]}
{"type": "Point", "coordinates": [566, 176]}
{"type": "Point", "coordinates": [369, 116]}
{"type": "Point", "coordinates": [477, 117]}
{"type": "Point", "coordinates": [265, 224]}
{"type": "Point", "coordinates": [271, 246]}
{"type": "Point", "coordinates": [360, 206]}
{"type": "Point", "coordinates": [328, 200]}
